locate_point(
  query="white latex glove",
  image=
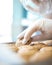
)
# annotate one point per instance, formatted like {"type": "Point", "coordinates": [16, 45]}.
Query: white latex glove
{"type": "Point", "coordinates": [43, 25]}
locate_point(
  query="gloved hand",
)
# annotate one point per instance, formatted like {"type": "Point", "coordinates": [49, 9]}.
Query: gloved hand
{"type": "Point", "coordinates": [42, 25]}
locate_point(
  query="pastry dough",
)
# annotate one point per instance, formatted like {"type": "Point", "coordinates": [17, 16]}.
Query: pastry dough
{"type": "Point", "coordinates": [43, 55]}
{"type": "Point", "coordinates": [19, 42]}
{"type": "Point", "coordinates": [13, 47]}
{"type": "Point", "coordinates": [46, 42]}
{"type": "Point", "coordinates": [27, 51]}
{"type": "Point", "coordinates": [38, 46]}
{"type": "Point", "coordinates": [33, 52]}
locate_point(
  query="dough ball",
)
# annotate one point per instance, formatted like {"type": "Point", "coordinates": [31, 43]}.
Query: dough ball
{"type": "Point", "coordinates": [19, 42]}
{"type": "Point", "coordinates": [27, 51]}
{"type": "Point", "coordinates": [43, 55]}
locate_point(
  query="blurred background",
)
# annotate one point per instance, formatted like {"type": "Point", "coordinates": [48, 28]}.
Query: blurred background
{"type": "Point", "coordinates": [14, 19]}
